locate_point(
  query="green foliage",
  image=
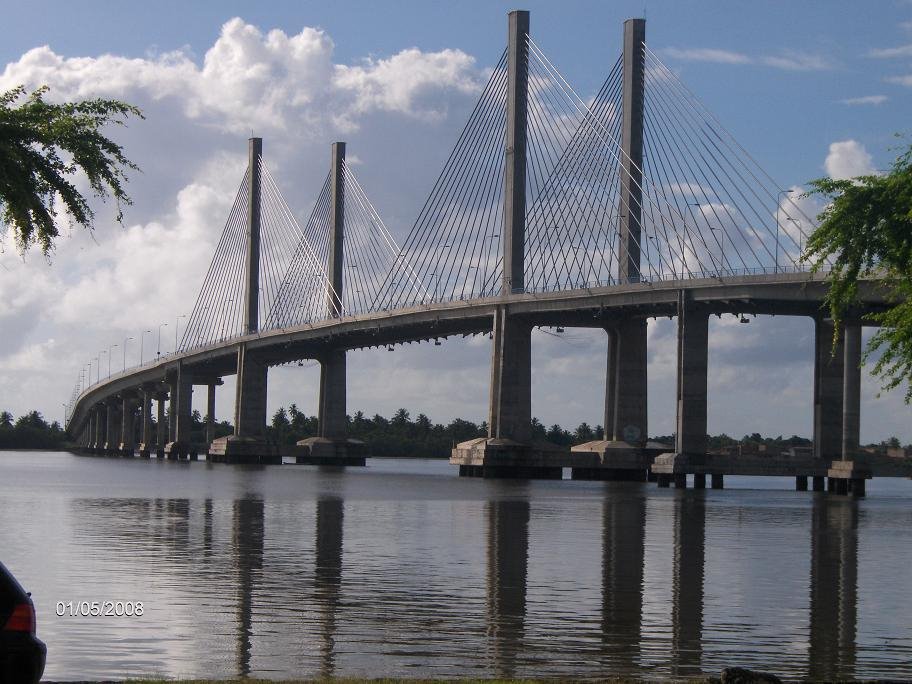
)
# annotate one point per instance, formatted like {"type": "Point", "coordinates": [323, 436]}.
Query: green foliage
{"type": "Point", "coordinates": [30, 431]}
{"type": "Point", "coordinates": [865, 231]}
{"type": "Point", "coordinates": [42, 145]}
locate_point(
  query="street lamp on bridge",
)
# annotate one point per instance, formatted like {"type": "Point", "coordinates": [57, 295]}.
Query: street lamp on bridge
{"type": "Point", "coordinates": [141, 338]}
{"type": "Point", "coordinates": [110, 349]}
{"type": "Point", "coordinates": [125, 352]}
{"type": "Point", "coordinates": [176, 324]}
{"type": "Point", "coordinates": [778, 206]}
{"type": "Point", "coordinates": [159, 352]}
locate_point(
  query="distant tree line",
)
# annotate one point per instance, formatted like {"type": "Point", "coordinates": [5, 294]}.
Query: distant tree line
{"type": "Point", "coordinates": [30, 431]}
{"type": "Point", "coordinates": [396, 436]}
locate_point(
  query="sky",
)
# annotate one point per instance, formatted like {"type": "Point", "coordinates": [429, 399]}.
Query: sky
{"type": "Point", "coordinates": [807, 88]}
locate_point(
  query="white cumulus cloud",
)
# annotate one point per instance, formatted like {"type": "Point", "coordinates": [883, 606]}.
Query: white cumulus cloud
{"type": "Point", "coordinates": [848, 159]}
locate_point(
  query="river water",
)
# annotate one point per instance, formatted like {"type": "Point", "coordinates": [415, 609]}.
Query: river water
{"type": "Point", "coordinates": [403, 569]}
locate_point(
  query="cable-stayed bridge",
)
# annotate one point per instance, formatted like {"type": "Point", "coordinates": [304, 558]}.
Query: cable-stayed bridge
{"type": "Point", "coordinates": [549, 211]}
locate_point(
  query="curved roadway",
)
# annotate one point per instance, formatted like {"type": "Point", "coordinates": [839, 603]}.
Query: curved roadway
{"type": "Point", "coordinates": [784, 294]}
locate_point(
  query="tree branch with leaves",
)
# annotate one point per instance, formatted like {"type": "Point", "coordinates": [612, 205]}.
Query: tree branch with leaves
{"type": "Point", "coordinates": [42, 146]}
{"type": "Point", "coordinates": [865, 232]}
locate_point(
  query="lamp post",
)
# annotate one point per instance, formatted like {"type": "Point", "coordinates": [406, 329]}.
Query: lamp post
{"type": "Point", "coordinates": [103, 351]}
{"type": "Point", "coordinates": [141, 339]}
{"type": "Point", "coordinates": [778, 204]}
{"type": "Point", "coordinates": [110, 349]}
{"type": "Point", "coordinates": [176, 324]}
{"type": "Point", "coordinates": [159, 351]}
{"type": "Point", "coordinates": [90, 372]}
{"type": "Point", "coordinates": [127, 339]}
{"type": "Point", "coordinates": [690, 206]}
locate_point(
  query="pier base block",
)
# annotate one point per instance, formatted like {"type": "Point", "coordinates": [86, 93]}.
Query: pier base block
{"type": "Point", "coordinates": [177, 450]}
{"type": "Point", "coordinates": [613, 460]}
{"type": "Point", "coordinates": [848, 477]}
{"type": "Point", "coordinates": [126, 449]}
{"type": "Point", "coordinates": [234, 449]}
{"type": "Point", "coordinates": [504, 458]}
{"type": "Point", "coordinates": [330, 452]}
{"type": "Point", "coordinates": [146, 450]}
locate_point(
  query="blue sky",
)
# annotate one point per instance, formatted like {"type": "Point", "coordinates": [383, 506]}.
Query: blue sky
{"type": "Point", "coordinates": [807, 88]}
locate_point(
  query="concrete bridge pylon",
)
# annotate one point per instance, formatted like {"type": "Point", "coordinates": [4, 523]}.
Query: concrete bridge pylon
{"type": "Point", "coordinates": [332, 446]}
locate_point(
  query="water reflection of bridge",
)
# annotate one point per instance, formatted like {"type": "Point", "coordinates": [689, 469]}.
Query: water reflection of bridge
{"type": "Point", "coordinates": [232, 546]}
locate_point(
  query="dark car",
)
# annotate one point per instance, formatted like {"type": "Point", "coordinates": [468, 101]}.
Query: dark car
{"type": "Point", "coordinates": [22, 654]}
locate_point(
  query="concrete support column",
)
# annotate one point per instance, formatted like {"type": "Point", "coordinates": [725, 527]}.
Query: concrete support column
{"type": "Point", "coordinates": [630, 410]}
{"type": "Point", "coordinates": [181, 407]}
{"type": "Point", "coordinates": [333, 423]}
{"type": "Point", "coordinates": [160, 425]}
{"type": "Point", "coordinates": [851, 391]}
{"type": "Point", "coordinates": [127, 426]}
{"type": "Point", "coordinates": [631, 197]}
{"type": "Point", "coordinates": [510, 410]}
{"type": "Point", "coordinates": [514, 228]}
{"type": "Point", "coordinates": [210, 412]}
{"type": "Point", "coordinates": [101, 416]}
{"type": "Point", "coordinates": [250, 396]}
{"type": "Point", "coordinates": [90, 429]}
{"type": "Point", "coordinates": [829, 365]}
{"type": "Point", "coordinates": [336, 261]}
{"type": "Point", "coordinates": [611, 373]}
{"type": "Point", "coordinates": [145, 412]}
{"type": "Point", "coordinates": [693, 361]}
{"type": "Point", "coordinates": [252, 285]}
{"type": "Point", "coordinates": [112, 427]}
{"type": "Point", "coordinates": [801, 483]}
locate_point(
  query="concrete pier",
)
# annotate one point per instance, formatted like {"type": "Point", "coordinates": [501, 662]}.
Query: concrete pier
{"type": "Point", "coordinates": [181, 395]}
{"type": "Point", "coordinates": [693, 361]}
{"type": "Point", "coordinates": [829, 370]}
{"type": "Point", "coordinates": [508, 451]}
{"type": "Point", "coordinates": [248, 444]}
{"type": "Point", "coordinates": [127, 445]}
{"type": "Point", "coordinates": [146, 445]}
{"type": "Point", "coordinates": [849, 473]}
{"type": "Point", "coordinates": [112, 427]}
{"type": "Point", "coordinates": [332, 445]}
{"type": "Point", "coordinates": [160, 439]}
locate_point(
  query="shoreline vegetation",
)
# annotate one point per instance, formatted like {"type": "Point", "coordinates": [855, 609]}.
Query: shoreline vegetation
{"type": "Point", "coordinates": [402, 437]}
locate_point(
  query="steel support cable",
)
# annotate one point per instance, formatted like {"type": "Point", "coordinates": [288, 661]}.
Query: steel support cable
{"type": "Point", "coordinates": [194, 327]}
{"type": "Point", "coordinates": [271, 278]}
{"type": "Point", "coordinates": [544, 255]}
{"type": "Point", "coordinates": [703, 122]}
{"type": "Point", "coordinates": [659, 128]}
{"type": "Point", "coordinates": [578, 103]}
{"type": "Point", "coordinates": [539, 107]}
{"type": "Point", "coordinates": [663, 105]}
{"type": "Point", "coordinates": [441, 225]}
{"type": "Point", "coordinates": [367, 253]}
{"type": "Point", "coordinates": [485, 176]}
{"type": "Point", "coordinates": [195, 331]}
{"type": "Point", "coordinates": [286, 211]}
{"type": "Point", "coordinates": [297, 303]}
{"type": "Point", "coordinates": [649, 164]}
{"type": "Point", "coordinates": [572, 179]}
{"type": "Point", "coordinates": [658, 162]}
{"type": "Point", "coordinates": [607, 102]}
{"type": "Point", "coordinates": [363, 268]}
{"type": "Point", "coordinates": [666, 169]}
{"type": "Point", "coordinates": [477, 210]}
{"type": "Point", "coordinates": [598, 165]}
{"type": "Point", "coordinates": [419, 234]}
{"type": "Point", "coordinates": [697, 105]}
{"type": "Point", "coordinates": [582, 107]}
{"type": "Point", "coordinates": [301, 281]}
{"type": "Point", "coordinates": [453, 265]}
{"type": "Point", "coordinates": [487, 108]}
{"type": "Point", "coordinates": [388, 240]}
